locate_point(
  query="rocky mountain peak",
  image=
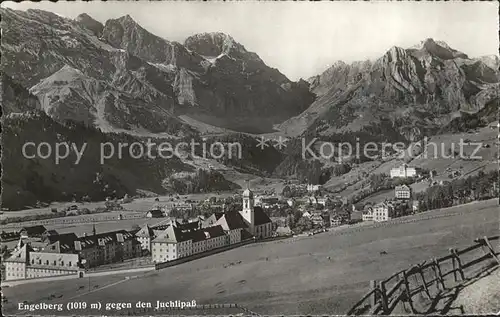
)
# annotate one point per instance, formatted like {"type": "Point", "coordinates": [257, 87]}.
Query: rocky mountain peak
{"type": "Point", "coordinates": [437, 49]}
{"type": "Point", "coordinates": [124, 33]}
{"type": "Point", "coordinates": [213, 44]}
{"type": "Point", "coordinates": [127, 19]}
{"type": "Point", "coordinates": [88, 22]}
{"type": "Point", "coordinates": [394, 53]}
{"type": "Point", "coordinates": [123, 25]}
{"type": "Point", "coordinates": [492, 61]}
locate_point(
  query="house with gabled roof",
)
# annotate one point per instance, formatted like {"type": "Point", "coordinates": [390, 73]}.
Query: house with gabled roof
{"type": "Point", "coordinates": [367, 214]}
{"type": "Point", "coordinates": [15, 265]}
{"type": "Point", "coordinates": [234, 225]}
{"type": "Point", "coordinates": [155, 213]}
{"type": "Point", "coordinates": [145, 235]}
{"type": "Point", "coordinates": [49, 233]}
{"type": "Point", "coordinates": [211, 220]}
{"type": "Point", "coordinates": [32, 231]}
{"type": "Point", "coordinates": [61, 243]}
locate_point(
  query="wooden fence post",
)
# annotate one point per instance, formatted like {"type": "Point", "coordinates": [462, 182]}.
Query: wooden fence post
{"type": "Point", "coordinates": [383, 293]}
{"type": "Point", "coordinates": [490, 249]}
{"type": "Point", "coordinates": [373, 286]}
{"type": "Point", "coordinates": [424, 282]}
{"type": "Point", "coordinates": [455, 276]}
{"type": "Point", "coordinates": [440, 274]}
{"type": "Point", "coordinates": [459, 263]}
{"type": "Point", "coordinates": [408, 292]}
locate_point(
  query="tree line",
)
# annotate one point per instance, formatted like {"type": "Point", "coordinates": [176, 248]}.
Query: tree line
{"type": "Point", "coordinates": [460, 191]}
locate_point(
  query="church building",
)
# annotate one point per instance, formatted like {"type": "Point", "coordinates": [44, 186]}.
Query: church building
{"type": "Point", "coordinates": [257, 220]}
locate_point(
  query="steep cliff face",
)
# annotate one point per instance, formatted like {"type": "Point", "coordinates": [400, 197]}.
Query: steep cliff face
{"type": "Point", "coordinates": [210, 77]}
{"type": "Point", "coordinates": [88, 22]}
{"type": "Point", "coordinates": [239, 86]}
{"type": "Point", "coordinates": [339, 77]}
{"type": "Point", "coordinates": [125, 33]}
{"type": "Point", "coordinates": [415, 91]}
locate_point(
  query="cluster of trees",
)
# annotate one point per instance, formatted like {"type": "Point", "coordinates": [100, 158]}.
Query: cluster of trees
{"type": "Point", "coordinates": [202, 210]}
{"type": "Point", "coordinates": [460, 191]}
{"type": "Point", "coordinates": [26, 181]}
{"type": "Point", "coordinates": [201, 181]}
{"type": "Point", "coordinates": [240, 151]}
{"type": "Point", "coordinates": [185, 214]}
{"type": "Point", "coordinates": [464, 122]}
{"type": "Point", "coordinates": [54, 214]}
{"type": "Point", "coordinates": [5, 254]}
{"type": "Point", "coordinates": [341, 169]}
{"type": "Point", "coordinates": [379, 182]}
{"type": "Point", "coordinates": [293, 217]}
{"type": "Point", "coordinates": [293, 191]}
{"type": "Point", "coordinates": [32, 217]}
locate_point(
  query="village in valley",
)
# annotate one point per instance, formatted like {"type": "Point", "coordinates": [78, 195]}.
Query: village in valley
{"type": "Point", "coordinates": [183, 228]}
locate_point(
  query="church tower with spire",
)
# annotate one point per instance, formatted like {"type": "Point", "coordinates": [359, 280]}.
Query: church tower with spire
{"type": "Point", "coordinates": [248, 208]}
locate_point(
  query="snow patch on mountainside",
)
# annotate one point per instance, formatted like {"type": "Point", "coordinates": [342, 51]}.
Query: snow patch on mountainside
{"type": "Point", "coordinates": [169, 68]}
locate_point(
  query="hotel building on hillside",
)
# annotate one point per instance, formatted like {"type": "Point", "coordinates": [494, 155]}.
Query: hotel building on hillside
{"type": "Point", "coordinates": [367, 214]}
{"type": "Point", "coordinates": [403, 171]}
{"type": "Point", "coordinates": [313, 188]}
{"type": "Point", "coordinates": [402, 192]}
{"type": "Point", "coordinates": [383, 211]}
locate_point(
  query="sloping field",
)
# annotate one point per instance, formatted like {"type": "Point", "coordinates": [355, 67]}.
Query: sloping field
{"type": "Point", "coordinates": [481, 297]}
{"type": "Point", "coordinates": [291, 276]}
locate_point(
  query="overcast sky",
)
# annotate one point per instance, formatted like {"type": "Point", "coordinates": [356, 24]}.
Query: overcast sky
{"type": "Point", "coordinates": [302, 39]}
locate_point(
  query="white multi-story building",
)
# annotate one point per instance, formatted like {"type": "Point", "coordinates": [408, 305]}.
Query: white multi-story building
{"type": "Point", "coordinates": [170, 245]}
{"type": "Point", "coordinates": [383, 212]}
{"type": "Point", "coordinates": [367, 214]}
{"type": "Point", "coordinates": [26, 264]}
{"type": "Point", "coordinates": [15, 266]}
{"type": "Point", "coordinates": [403, 171]}
{"type": "Point", "coordinates": [173, 243]}
{"type": "Point", "coordinates": [313, 188]}
{"type": "Point", "coordinates": [402, 192]}
{"type": "Point", "coordinates": [146, 235]}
